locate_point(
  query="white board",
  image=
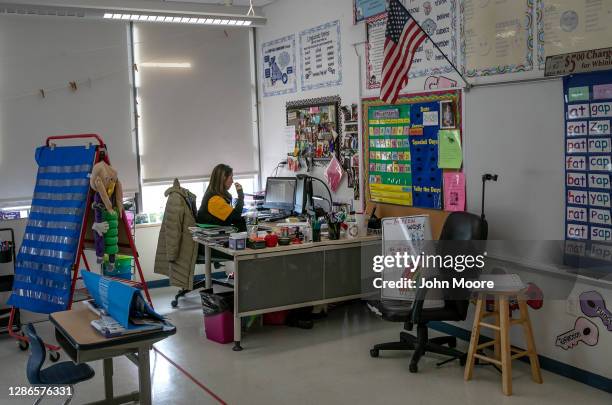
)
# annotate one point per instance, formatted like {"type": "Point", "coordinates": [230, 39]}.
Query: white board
{"type": "Point", "coordinates": [403, 234]}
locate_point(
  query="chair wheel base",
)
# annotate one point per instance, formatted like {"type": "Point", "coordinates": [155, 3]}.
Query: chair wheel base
{"type": "Point", "coordinates": [374, 353]}
{"type": "Point", "coordinates": [237, 347]}
{"type": "Point", "coordinates": [54, 356]}
{"type": "Point", "coordinates": [174, 303]}
{"type": "Point", "coordinates": [413, 367]}
{"type": "Point", "coordinates": [23, 345]}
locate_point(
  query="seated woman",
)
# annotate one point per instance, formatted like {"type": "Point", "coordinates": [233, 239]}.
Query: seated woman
{"type": "Point", "coordinates": [216, 205]}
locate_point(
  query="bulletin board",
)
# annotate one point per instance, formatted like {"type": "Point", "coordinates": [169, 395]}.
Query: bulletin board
{"type": "Point", "coordinates": [317, 127]}
{"type": "Point", "coordinates": [588, 166]}
{"type": "Point", "coordinates": [401, 148]}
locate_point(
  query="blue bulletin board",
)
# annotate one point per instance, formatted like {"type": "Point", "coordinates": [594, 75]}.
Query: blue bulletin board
{"type": "Point", "coordinates": [588, 166]}
{"type": "Point", "coordinates": [401, 148]}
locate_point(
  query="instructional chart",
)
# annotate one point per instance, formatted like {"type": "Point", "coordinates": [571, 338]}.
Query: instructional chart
{"type": "Point", "coordinates": [497, 36]}
{"type": "Point", "coordinates": [588, 156]}
{"type": "Point", "coordinates": [320, 57]}
{"type": "Point", "coordinates": [576, 25]}
{"type": "Point", "coordinates": [438, 19]}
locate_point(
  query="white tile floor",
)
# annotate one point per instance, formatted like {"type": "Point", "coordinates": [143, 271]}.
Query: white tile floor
{"type": "Point", "coordinates": [329, 364]}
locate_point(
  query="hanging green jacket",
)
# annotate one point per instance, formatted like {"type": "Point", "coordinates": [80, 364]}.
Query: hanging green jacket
{"type": "Point", "coordinates": [176, 250]}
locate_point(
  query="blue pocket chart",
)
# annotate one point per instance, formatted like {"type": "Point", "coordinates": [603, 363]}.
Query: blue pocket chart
{"type": "Point", "coordinates": [588, 166]}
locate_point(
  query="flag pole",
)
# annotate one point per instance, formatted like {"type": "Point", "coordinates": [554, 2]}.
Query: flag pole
{"type": "Point", "coordinates": [467, 84]}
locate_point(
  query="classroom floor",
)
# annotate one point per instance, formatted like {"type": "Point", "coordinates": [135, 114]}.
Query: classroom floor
{"type": "Point", "coordinates": [329, 364]}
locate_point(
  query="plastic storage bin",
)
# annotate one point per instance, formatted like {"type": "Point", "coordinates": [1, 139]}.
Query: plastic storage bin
{"type": "Point", "coordinates": [220, 328]}
{"type": "Point", "coordinates": [275, 318]}
{"type": "Point", "coordinates": [123, 267]}
{"type": "Point", "coordinates": [218, 315]}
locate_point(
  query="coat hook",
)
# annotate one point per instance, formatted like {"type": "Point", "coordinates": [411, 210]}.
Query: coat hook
{"type": "Point", "coordinates": [42, 93]}
{"type": "Point", "coordinates": [73, 86]}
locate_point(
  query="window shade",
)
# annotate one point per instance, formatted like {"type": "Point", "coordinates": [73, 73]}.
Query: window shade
{"type": "Point", "coordinates": [195, 100]}
{"type": "Point", "coordinates": [40, 53]}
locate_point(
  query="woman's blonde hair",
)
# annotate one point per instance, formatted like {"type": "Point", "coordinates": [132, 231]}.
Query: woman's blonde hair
{"type": "Point", "coordinates": [217, 180]}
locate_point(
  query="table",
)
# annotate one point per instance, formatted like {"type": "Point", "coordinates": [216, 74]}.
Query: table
{"type": "Point", "coordinates": [295, 276]}
{"type": "Point", "coordinates": [83, 344]}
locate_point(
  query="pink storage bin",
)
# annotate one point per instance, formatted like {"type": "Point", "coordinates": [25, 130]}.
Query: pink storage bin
{"type": "Point", "coordinates": [275, 318]}
{"type": "Point", "coordinates": [220, 327]}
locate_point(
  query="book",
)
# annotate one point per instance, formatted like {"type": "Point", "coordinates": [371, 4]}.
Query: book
{"type": "Point", "coordinates": [108, 327]}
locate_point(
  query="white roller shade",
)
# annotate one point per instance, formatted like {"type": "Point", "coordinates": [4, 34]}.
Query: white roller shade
{"type": "Point", "coordinates": [44, 53]}
{"type": "Point", "coordinates": [195, 100]}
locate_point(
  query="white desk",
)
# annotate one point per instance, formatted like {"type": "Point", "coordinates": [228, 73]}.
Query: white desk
{"type": "Point", "coordinates": [295, 276]}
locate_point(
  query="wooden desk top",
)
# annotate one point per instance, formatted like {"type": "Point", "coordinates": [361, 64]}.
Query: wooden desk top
{"type": "Point", "coordinates": [75, 325]}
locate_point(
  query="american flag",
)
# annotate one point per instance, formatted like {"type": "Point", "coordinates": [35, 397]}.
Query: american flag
{"type": "Point", "coordinates": [403, 37]}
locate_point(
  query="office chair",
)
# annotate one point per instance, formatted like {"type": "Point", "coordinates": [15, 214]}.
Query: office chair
{"type": "Point", "coordinates": [217, 263]}
{"type": "Point", "coordinates": [459, 226]}
{"type": "Point", "coordinates": [64, 373]}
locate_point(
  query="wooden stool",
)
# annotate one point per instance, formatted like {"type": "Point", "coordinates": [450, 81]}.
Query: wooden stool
{"type": "Point", "coordinates": [504, 352]}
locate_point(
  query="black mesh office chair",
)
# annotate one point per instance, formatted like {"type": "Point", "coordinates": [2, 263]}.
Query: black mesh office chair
{"type": "Point", "coordinates": [459, 229]}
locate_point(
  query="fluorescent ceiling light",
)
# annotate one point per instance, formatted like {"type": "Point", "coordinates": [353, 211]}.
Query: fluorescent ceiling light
{"type": "Point", "coordinates": [216, 22]}
{"type": "Point", "coordinates": [246, 22]}
{"type": "Point", "coordinates": [116, 16]}
{"type": "Point", "coordinates": [200, 21]}
{"type": "Point", "coordinates": [166, 65]}
{"type": "Point", "coordinates": [208, 21]}
{"type": "Point", "coordinates": [108, 15]}
{"type": "Point", "coordinates": [232, 22]}
{"type": "Point", "coordinates": [224, 22]}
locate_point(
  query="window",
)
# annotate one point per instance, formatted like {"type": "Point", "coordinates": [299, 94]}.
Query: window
{"type": "Point", "coordinates": [154, 200]}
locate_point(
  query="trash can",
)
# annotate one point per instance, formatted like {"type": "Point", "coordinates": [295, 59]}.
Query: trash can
{"type": "Point", "coordinates": [218, 315]}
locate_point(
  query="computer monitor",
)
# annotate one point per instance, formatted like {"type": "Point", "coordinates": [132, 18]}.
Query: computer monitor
{"type": "Point", "coordinates": [303, 193]}
{"type": "Point", "coordinates": [280, 193]}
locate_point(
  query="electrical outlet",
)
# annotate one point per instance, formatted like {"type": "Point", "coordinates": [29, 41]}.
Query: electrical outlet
{"type": "Point", "coordinates": [572, 307]}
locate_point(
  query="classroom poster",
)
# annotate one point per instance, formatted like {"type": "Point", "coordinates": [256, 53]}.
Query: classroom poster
{"type": "Point", "coordinates": [588, 156]}
{"type": "Point", "coordinates": [574, 25]}
{"type": "Point", "coordinates": [438, 19]}
{"type": "Point", "coordinates": [454, 191]}
{"type": "Point", "coordinates": [364, 9]}
{"type": "Point", "coordinates": [320, 56]}
{"type": "Point", "coordinates": [401, 149]}
{"type": "Point", "coordinates": [497, 36]}
{"type": "Point", "coordinates": [279, 76]}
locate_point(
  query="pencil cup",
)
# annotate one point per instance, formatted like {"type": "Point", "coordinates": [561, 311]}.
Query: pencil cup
{"type": "Point", "coordinates": [333, 230]}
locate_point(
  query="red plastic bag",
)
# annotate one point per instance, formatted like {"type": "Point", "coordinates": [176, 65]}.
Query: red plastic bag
{"type": "Point", "coordinates": [333, 174]}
